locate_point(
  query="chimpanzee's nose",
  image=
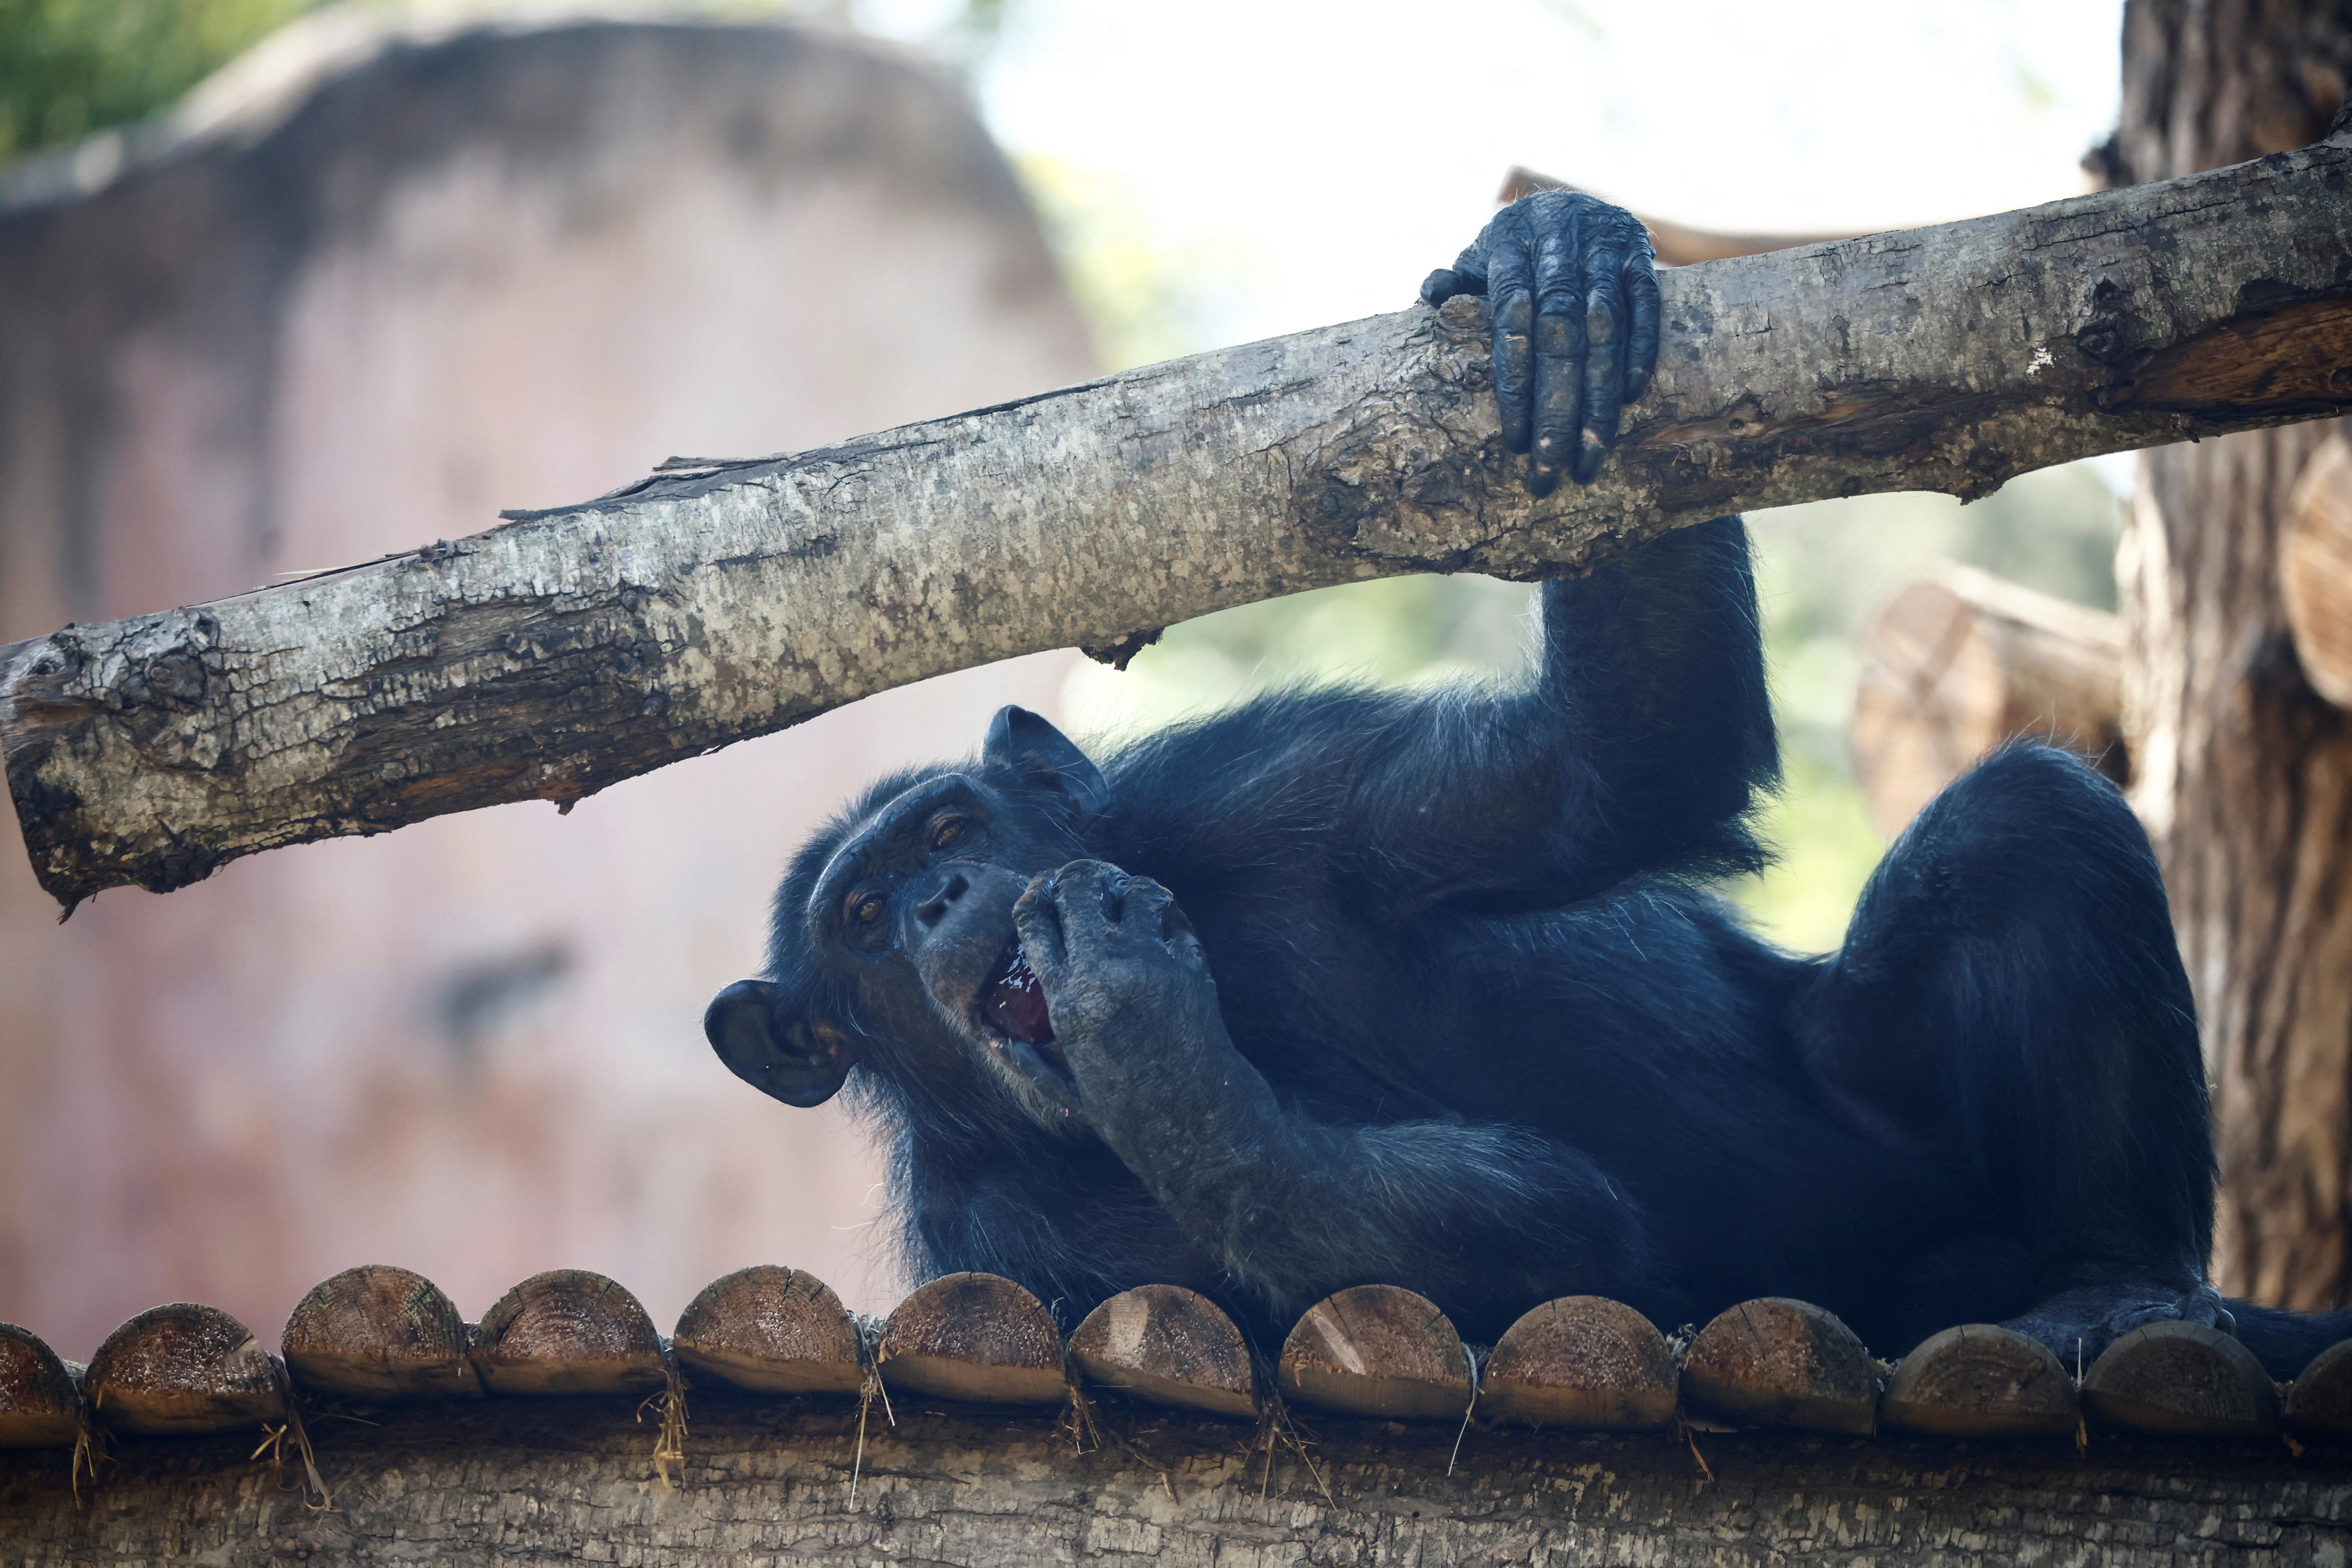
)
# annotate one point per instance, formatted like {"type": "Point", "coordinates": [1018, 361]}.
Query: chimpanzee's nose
{"type": "Point", "coordinates": [933, 909]}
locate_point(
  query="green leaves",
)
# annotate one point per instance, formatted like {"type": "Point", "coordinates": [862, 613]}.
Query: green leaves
{"type": "Point", "coordinates": [71, 67]}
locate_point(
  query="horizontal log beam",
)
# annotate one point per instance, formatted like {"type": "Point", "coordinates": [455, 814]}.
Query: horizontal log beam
{"type": "Point", "coordinates": [572, 648]}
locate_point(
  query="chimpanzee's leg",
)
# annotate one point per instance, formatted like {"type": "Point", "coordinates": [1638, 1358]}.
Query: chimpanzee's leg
{"type": "Point", "coordinates": [2009, 1002]}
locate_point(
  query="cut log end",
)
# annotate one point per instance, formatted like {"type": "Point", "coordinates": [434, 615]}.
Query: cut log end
{"type": "Point", "coordinates": [1170, 1346]}
{"type": "Point", "coordinates": [1378, 1350]}
{"type": "Point", "coordinates": [974, 1336]}
{"type": "Point", "coordinates": [2184, 1379]}
{"type": "Point", "coordinates": [380, 1333]}
{"type": "Point", "coordinates": [39, 1406]}
{"type": "Point", "coordinates": [183, 1368]}
{"type": "Point", "coordinates": [2320, 1403]}
{"type": "Point", "coordinates": [776, 1330]}
{"type": "Point", "coordinates": [1981, 1380]}
{"type": "Point", "coordinates": [568, 1331]}
{"type": "Point", "coordinates": [1959, 663]}
{"type": "Point", "coordinates": [1581, 1361]}
{"type": "Point", "coordinates": [1778, 1362]}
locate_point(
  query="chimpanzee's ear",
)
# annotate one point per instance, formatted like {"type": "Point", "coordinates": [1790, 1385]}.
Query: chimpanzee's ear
{"type": "Point", "coordinates": [796, 1056]}
{"type": "Point", "coordinates": [1036, 754]}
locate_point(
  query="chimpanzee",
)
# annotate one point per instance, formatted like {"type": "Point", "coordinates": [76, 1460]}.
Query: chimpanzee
{"type": "Point", "coordinates": [1343, 986]}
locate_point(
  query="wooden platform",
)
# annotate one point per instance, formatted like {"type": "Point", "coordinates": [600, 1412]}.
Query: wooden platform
{"type": "Point", "coordinates": [768, 1481]}
{"type": "Point", "coordinates": [964, 1430]}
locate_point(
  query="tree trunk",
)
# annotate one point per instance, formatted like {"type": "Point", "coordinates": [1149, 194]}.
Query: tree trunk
{"type": "Point", "coordinates": [2242, 772]}
{"type": "Point", "coordinates": [575, 647]}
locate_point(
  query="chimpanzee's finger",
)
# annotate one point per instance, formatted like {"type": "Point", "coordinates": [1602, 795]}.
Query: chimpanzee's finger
{"type": "Point", "coordinates": [1089, 894]}
{"type": "Point", "coordinates": [1174, 923]}
{"type": "Point", "coordinates": [1466, 276]}
{"type": "Point", "coordinates": [1642, 310]}
{"type": "Point", "coordinates": [1037, 921]}
{"type": "Point", "coordinates": [1511, 308]}
{"type": "Point", "coordinates": [1604, 370]}
{"type": "Point", "coordinates": [1560, 355]}
{"type": "Point", "coordinates": [1149, 907]}
{"type": "Point", "coordinates": [1447, 282]}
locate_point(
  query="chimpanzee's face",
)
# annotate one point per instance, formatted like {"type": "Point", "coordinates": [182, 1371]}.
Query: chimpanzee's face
{"type": "Point", "coordinates": [894, 945]}
{"type": "Point", "coordinates": [914, 912]}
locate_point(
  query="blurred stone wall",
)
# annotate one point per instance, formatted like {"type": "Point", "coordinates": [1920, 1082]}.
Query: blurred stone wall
{"type": "Point", "coordinates": [368, 286]}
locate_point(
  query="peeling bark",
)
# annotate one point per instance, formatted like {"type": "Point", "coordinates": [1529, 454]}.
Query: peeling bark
{"type": "Point", "coordinates": [572, 648]}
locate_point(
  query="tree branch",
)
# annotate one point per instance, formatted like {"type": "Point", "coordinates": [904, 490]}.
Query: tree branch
{"type": "Point", "coordinates": [571, 648]}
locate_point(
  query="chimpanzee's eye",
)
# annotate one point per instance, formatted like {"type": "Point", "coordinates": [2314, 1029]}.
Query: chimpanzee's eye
{"type": "Point", "coordinates": [947, 830]}
{"type": "Point", "coordinates": [862, 909]}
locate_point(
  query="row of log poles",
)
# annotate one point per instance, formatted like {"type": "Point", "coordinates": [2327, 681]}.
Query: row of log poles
{"type": "Point", "coordinates": [380, 1335]}
{"type": "Point", "coordinates": [1957, 663]}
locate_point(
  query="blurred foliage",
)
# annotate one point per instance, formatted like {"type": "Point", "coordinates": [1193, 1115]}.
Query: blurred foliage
{"type": "Point", "coordinates": [1822, 570]}
{"type": "Point", "coordinates": [1146, 299]}
{"type": "Point", "coordinates": [71, 67]}
{"type": "Point", "coordinates": [973, 31]}
{"type": "Point", "coordinates": [1394, 631]}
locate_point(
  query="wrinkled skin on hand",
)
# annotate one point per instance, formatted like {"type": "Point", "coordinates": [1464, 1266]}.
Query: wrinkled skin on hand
{"type": "Point", "coordinates": [1572, 295]}
{"type": "Point", "coordinates": [1135, 1011]}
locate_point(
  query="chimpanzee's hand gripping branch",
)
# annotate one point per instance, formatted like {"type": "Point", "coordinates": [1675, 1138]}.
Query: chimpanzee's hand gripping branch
{"type": "Point", "coordinates": [1571, 297]}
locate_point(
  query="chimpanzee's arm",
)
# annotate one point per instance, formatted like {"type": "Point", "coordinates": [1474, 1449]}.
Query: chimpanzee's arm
{"type": "Point", "coordinates": [1483, 1219]}
{"type": "Point", "coordinates": [1641, 744]}
{"type": "Point", "coordinates": [1647, 732]}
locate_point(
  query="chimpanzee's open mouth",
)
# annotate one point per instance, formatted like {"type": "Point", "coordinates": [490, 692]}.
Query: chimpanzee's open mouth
{"type": "Point", "coordinates": [1012, 1003]}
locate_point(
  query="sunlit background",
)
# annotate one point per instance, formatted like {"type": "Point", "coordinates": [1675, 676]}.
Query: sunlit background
{"type": "Point", "coordinates": [1232, 169]}
{"type": "Point", "coordinates": [1211, 173]}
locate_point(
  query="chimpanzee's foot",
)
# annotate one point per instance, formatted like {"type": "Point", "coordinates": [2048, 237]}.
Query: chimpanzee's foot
{"type": "Point", "coordinates": [2080, 1324]}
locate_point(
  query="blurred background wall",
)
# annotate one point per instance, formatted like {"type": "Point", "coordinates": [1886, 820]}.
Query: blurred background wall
{"type": "Point", "coordinates": [381, 279]}
{"type": "Point", "coordinates": [399, 265]}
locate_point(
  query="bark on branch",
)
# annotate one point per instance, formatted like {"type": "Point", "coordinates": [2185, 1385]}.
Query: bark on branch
{"type": "Point", "coordinates": [572, 648]}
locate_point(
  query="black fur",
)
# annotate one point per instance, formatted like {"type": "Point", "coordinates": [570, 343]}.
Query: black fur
{"type": "Point", "coordinates": [1442, 1000]}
